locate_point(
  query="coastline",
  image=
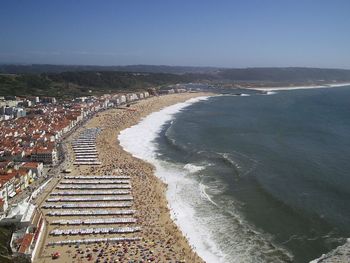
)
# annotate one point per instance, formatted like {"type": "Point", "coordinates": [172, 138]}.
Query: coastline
{"type": "Point", "coordinates": [139, 140]}
{"type": "Point", "coordinates": [325, 86]}
{"type": "Point", "coordinates": [149, 191]}
{"type": "Point", "coordinates": [160, 235]}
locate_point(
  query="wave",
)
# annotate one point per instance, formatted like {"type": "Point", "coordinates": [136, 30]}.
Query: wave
{"type": "Point", "coordinates": [139, 141]}
{"type": "Point", "coordinates": [192, 168]}
{"type": "Point", "coordinates": [241, 163]}
{"type": "Point", "coordinates": [202, 188]}
{"type": "Point", "coordinates": [338, 254]}
{"type": "Point", "coordinates": [213, 226]}
{"type": "Point", "coordinates": [172, 142]}
{"type": "Point", "coordinates": [270, 93]}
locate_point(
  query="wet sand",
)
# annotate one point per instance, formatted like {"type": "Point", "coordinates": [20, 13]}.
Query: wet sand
{"type": "Point", "coordinates": [160, 239]}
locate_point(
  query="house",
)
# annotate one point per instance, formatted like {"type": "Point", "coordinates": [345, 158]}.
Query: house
{"type": "Point", "coordinates": [3, 196]}
{"type": "Point", "coordinates": [152, 92]}
{"type": "Point", "coordinates": [122, 99]}
{"type": "Point", "coordinates": [3, 206]}
{"type": "Point", "coordinates": [131, 97]}
{"type": "Point", "coordinates": [35, 167]}
{"type": "Point", "coordinates": [48, 100]}
{"type": "Point", "coordinates": [8, 181]}
{"type": "Point", "coordinates": [25, 176]}
{"type": "Point", "coordinates": [46, 155]}
{"type": "Point", "coordinates": [166, 91]}
{"type": "Point", "coordinates": [141, 95]}
{"type": "Point", "coordinates": [26, 240]}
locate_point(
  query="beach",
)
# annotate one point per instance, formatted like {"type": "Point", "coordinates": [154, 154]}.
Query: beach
{"type": "Point", "coordinates": [324, 86]}
{"type": "Point", "coordinates": [159, 239]}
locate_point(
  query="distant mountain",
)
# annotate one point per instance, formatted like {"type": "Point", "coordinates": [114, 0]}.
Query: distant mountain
{"type": "Point", "coordinates": [68, 81]}
{"type": "Point", "coordinates": [46, 68]}
{"type": "Point", "coordinates": [82, 83]}
{"type": "Point", "coordinates": [289, 74]}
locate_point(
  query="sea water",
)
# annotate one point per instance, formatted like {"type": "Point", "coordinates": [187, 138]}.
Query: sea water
{"type": "Point", "coordinates": [255, 178]}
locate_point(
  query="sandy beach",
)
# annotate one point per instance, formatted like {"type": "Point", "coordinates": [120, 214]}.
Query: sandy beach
{"type": "Point", "coordinates": [325, 86]}
{"type": "Point", "coordinates": [159, 240]}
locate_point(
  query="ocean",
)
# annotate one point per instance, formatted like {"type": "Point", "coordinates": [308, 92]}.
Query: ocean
{"type": "Point", "coordinates": [256, 177]}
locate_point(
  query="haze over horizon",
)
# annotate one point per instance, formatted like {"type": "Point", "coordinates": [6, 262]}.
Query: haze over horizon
{"type": "Point", "coordinates": [230, 34]}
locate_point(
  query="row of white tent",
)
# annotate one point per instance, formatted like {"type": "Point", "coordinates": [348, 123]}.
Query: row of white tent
{"type": "Point", "coordinates": [83, 145]}
{"type": "Point", "coordinates": [90, 212]}
{"type": "Point", "coordinates": [86, 159]}
{"type": "Point", "coordinates": [77, 151]}
{"type": "Point", "coordinates": [99, 177]}
{"type": "Point", "coordinates": [85, 137]}
{"type": "Point", "coordinates": [116, 192]}
{"type": "Point", "coordinates": [85, 155]}
{"type": "Point", "coordinates": [95, 182]}
{"type": "Point", "coordinates": [84, 148]}
{"type": "Point", "coordinates": [87, 163]}
{"type": "Point", "coordinates": [83, 142]}
{"type": "Point", "coordinates": [88, 205]}
{"type": "Point", "coordinates": [91, 131]}
{"type": "Point", "coordinates": [97, 221]}
{"type": "Point", "coordinates": [89, 231]}
{"type": "Point", "coordinates": [95, 240]}
{"type": "Point", "coordinates": [85, 187]}
{"type": "Point", "coordinates": [90, 198]}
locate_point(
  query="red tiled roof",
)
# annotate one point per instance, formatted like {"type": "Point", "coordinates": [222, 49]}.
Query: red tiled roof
{"type": "Point", "coordinates": [7, 177]}
{"type": "Point", "coordinates": [26, 242]}
{"type": "Point", "coordinates": [30, 165]}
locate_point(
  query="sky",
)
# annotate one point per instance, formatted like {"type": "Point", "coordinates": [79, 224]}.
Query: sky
{"type": "Point", "coordinates": [221, 33]}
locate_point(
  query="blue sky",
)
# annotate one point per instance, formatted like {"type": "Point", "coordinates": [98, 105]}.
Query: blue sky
{"type": "Point", "coordinates": [246, 33]}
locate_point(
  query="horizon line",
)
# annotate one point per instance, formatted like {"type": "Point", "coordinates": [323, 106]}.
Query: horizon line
{"type": "Point", "coordinates": [163, 65]}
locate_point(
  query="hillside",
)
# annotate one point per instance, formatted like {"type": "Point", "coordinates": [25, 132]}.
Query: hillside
{"type": "Point", "coordinates": [46, 68]}
{"type": "Point", "coordinates": [70, 84]}
{"type": "Point", "coordinates": [21, 80]}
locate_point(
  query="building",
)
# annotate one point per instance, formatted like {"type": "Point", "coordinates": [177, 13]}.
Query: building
{"type": "Point", "coordinates": [166, 91]}
{"type": "Point", "coordinates": [152, 92]}
{"type": "Point", "coordinates": [46, 155]}
{"type": "Point", "coordinates": [48, 100]}
{"type": "Point", "coordinates": [25, 241]}
{"type": "Point", "coordinates": [131, 97]}
{"type": "Point", "coordinates": [3, 196]}
{"type": "Point", "coordinates": [8, 185]}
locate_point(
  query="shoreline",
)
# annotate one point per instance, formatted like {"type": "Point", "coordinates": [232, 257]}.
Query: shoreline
{"type": "Point", "coordinates": [160, 236]}
{"type": "Point", "coordinates": [181, 211]}
{"type": "Point", "coordinates": [325, 86]}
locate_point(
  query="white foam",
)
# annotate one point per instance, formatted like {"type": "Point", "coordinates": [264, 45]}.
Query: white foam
{"type": "Point", "coordinates": [335, 254]}
{"type": "Point", "coordinates": [271, 93]}
{"type": "Point", "coordinates": [139, 141]}
{"type": "Point", "coordinates": [192, 168]}
{"type": "Point", "coordinates": [202, 188]}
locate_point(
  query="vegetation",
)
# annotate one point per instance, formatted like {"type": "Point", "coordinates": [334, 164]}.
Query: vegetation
{"type": "Point", "coordinates": [44, 68]}
{"type": "Point", "coordinates": [69, 84]}
{"type": "Point", "coordinates": [5, 236]}
{"type": "Point", "coordinates": [21, 80]}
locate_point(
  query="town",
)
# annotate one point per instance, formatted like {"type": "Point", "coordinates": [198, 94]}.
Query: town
{"type": "Point", "coordinates": [32, 130]}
